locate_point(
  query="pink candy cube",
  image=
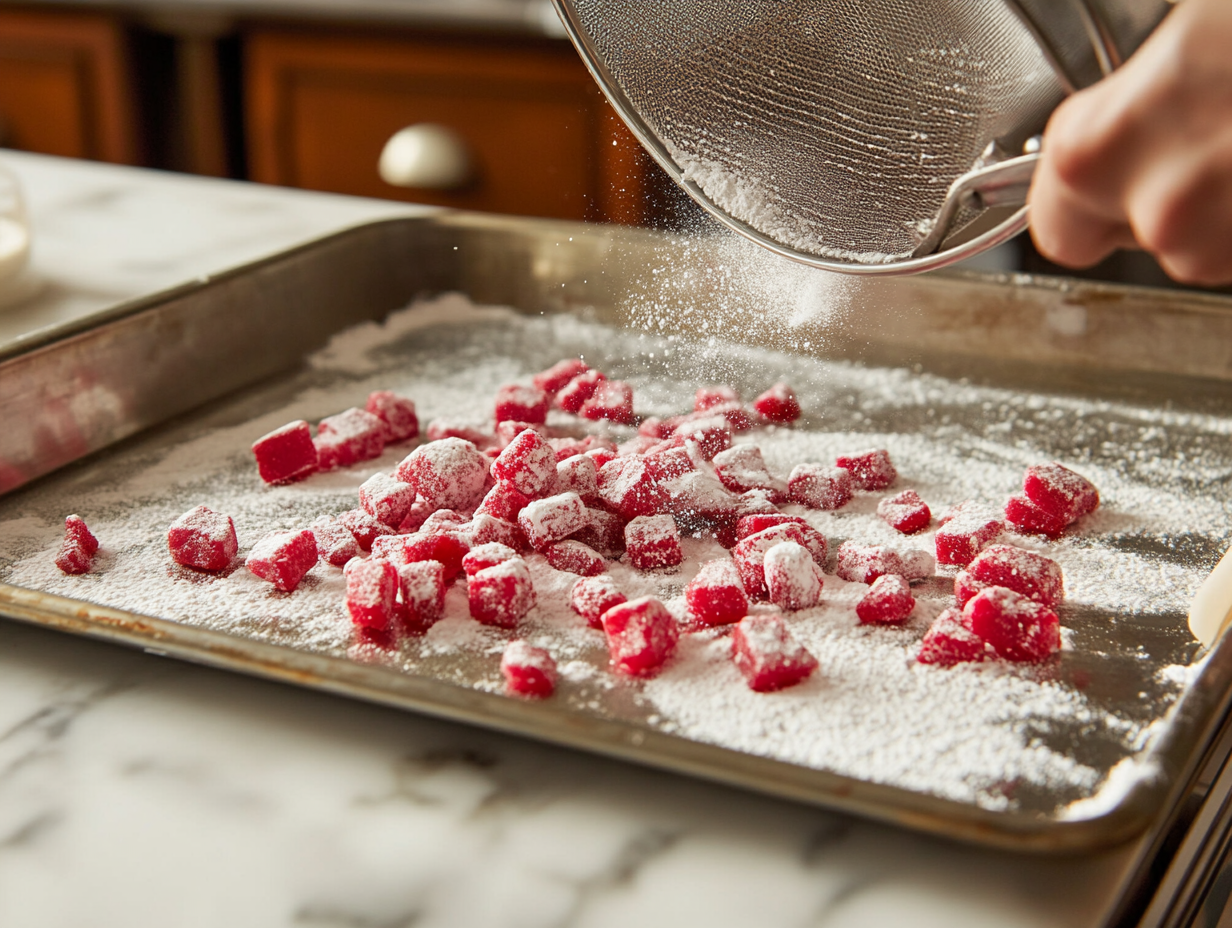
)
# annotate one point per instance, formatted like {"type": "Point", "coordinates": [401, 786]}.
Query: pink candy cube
{"type": "Point", "coordinates": [286, 454]}
{"type": "Point", "coordinates": [612, 400]}
{"type": "Point", "coordinates": [448, 548]}
{"type": "Point", "coordinates": [593, 596]}
{"type": "Point", "coordinates": [1025, 572]}
{"type": "Point", "coordinates": [349, 437]}
{"type": "Point", "coordinates": [579, 475]}
{"type": "Point", "coordinates": [888, 602]}
{"type": "Point", "coordinates": [501, 595]}
{"type": "Point", "coordinates": [556, 377]}
{"type": "Point", "coordinates": [397, 412]}
{"type": "Point", "coordinates": [385, 499]}
{"type": "Point", "coordinates": [1017, 628]}
{"type": "Point", "coordinates": [968, 528]}
{"type": "Point", "coordinates": [905, 512]}
{"type": "Point", "coordinates": [1059, 491]}
{"type": "Point", "coordinates": [712, 434]}
{"type": "Point", "coordinates": [778, 404]}
{"type": "Point", "coordinates": [546, 521]}
{"type": "Point", "coordinates": [708, 397]}
{"type": "Point", "coordinates": [793, 580]}
{"type": "Point", "coordinates": [947, 642]}
{"type": "Point", "coordinates": [819, 487]}
{"type": "Point", "coordinates": [575, 558]}
{"type": "Point", "coordinates": [422, 585]}
{"type": "Point", "coordinates": [363, 527]}
{"type": "Point", "coordinates": [528, 463]}
{"type": "Point", "coordinates": [283, 558]}
{"type": "Point", "coordinates": [484, 529]}
{"type": "Point", "coordinates": [754, 523]}
{"type": "Point", "coordinates": [767, 654]}
{"type": "Point", "coordinates": [371, 592]}
{"type": "Point", "coordinates": [1030, 519]}
{"type": "Point", "coordinates": [641, 636]}
{"type": "Point", "coordinates": [605, 533]}
{"type": "Point", "coordinates": [870, 470]}
{"type": "Point", "coordinates": [481, 557]}
{"type": "Point", "coordinates": [203, 539]}
{"type": "Point", "coordinates": [865, 563]}
{"type": "Point", "coordinates": [335, 543]}
{"type": "Point", "coordinates": [504, 501]}
{"type": "Point", "coordinates": [716, 595]}
{"type": "Point", "coordinates": [78, 548]}
{"type": "Point", "coordinates": [440, 429]}
{"type": "Point", "coordinates": [628, 486]}
{"type": "Point", "coordinates": [577, 391]}
{"type": "Point", "coordinates": [525, 404]}
{"type": "Point", "coordinates": [528, 671]}
{"type": "Point", "coordinates": [750, 553]}
{"type": "Point", "coordinates": [652, 542]}
{"type": "Point", "coordinates": [448, 474]}
{"type": "Point", "coordinates": [742, 469]}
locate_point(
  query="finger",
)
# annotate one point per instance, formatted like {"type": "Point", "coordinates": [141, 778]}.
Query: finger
{"type": "Point", "coordinates": [1066, 230]}
{"type": "Point", "coordinates": [1183, 216]}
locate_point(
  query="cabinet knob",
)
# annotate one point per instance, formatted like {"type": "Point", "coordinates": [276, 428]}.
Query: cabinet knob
{"type": "Point", "coordinates": [426, 155]}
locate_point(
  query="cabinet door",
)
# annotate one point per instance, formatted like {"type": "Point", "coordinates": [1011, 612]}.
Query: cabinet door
{"type": "Point", "coordinates": [63, 85]}
{"type": "Point", "coordinates": [541, 138]}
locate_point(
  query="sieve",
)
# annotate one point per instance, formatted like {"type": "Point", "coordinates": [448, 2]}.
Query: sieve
{"type": "Point", "coordinates": [866, 137]}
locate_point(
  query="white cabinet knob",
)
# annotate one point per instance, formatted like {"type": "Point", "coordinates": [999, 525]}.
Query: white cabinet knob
{"type": "Point", "coordinates": [428, 156]}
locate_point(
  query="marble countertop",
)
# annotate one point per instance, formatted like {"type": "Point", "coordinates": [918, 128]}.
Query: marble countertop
{"type": "Point", "coordinates": [140, 791]}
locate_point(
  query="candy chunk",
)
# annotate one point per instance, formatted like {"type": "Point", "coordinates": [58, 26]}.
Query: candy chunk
{"type": "Point", "coordinates": [750, 553]}
{"type": "Point", "coordinates": [385, 499]}
{"type": "Point", "coordinates": [577, 391]}
{"type": "Point", "coordinates": [605, 532]}
{"type": "Point", "coordinates": [390, 548]}
{"type": "Point", "coordinates": [444, 520]}
{"type": "Point", "coordinates": [612, 400]}
{"type": "Point", "coordinates": [447, 548]}
{"type": "Point", "coordinates": [668, 463]}
{"type": "Point", "coordinates": [947, 642]}
{"type": "Point", "coordinates": [819, 487]}
{"type": "Point", "coordinates": [422, 584]}
{"type": "Point", "coordinates": [286, 454]}
{"type": "Point", "coordinates": [641, 636]}
{"type": "Point", "coordinates": [504, 501]}
{"type": "Point", "coordinates": [1018, 629]}
{"type": "Point", "coordinates": [579, 475]}
{"type": "Point", "coordinates": [870, 470]}
{"type": "Point", "coordinates": [792, 578]}
{"type": "Point", "coordinates": [335, 543]}
{"type": "Point", "coordinates": [525, 404]}
{"type": "Point", "coordinates": [736, 415]}
{"type": "Point", "coordinates": [755, 522]}
{"type": "Point", "coordinates": [707, 397]}
{"type": "Point", "coordinates": [529, 671]}
{"type": "Point", "coordinates": [628, 486]}
{"type": "Point", "coordinates": [555, 518]}
{"type": "Point", "coordinates": [657, 428]}
{"type": "Point", "coordinates": [351, 436]}
{"type": "Point", "coordinates": [283, 558]}
{"type": "Point", "coordinates": [742, 469]}
{"type": "Point", "coordinates": [397, 412]}
{"type": "Point", "coordinates": [712, 434]}
{"type": "Point", "coordinates": [481, 557]}
{"type": "Point", "coordinates": [698, 495]}
{"type": "Point", "coordinates": [966, 586]}
{"type": "Point", "coordinates": [575, 558]}
{"type": "Point", "coordinates": [528, 463]}
{"type": "Point", "coordinates": [556, 377]}
{"type": "Point", "coordinates": [415, 517]}
{"type": "Point", "coordinates": [78, 548]}
{"type": "Point", "coordinates": [484, 529]}
{"type": "Point", "coordinates": [1025, 572]}
{"type": "Point", "coordinates": [967, 529]}
{"type": "Point", "coordinates": [203, 539]}
{"type": "Point", "coordinates": [652, 542]}
{"type": "Point", "coordinates": [1030, 519]}
{"type": "Point", "coordinates": [865, 563]}
{"type": "Point", "coordinates": [371, 592]}
{"type": "Point", "coordinates": [767, 654]}
{"type": "Point", "coordinates": [888, 602]}
{"type": "Point", "coordinates": [501, 595]}
{"type": "Point", "coordinates": [778, 404]}
{"type": "Point", "coordinates": [906, 512]}
{"type": "Point", "coordinates": [363, 527]}
{"type": "Point", "coordinates": [716, 595]}
{"type": "Point", "coordinates": [510, 429]}
{"type": "Point", "coordinates": [917, 564]}
{"type": "Point", "coordinates": [440, 429]}
{"type": "Point", "coordinates": [601, 455]}
{"type": "Point", "coordinates": [593, 596]}
{"type": "Point", "coordinates": [448, 474]}
{"type": "Point", "coordinates": [1059, 491]}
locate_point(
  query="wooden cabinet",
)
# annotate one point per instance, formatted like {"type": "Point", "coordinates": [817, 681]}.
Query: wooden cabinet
{"type": "Point", "coordinates": [541, 138]}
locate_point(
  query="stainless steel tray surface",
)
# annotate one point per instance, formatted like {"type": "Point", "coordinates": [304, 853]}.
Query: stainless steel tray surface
{"type": "Point", "coordinates": [1085, 750]}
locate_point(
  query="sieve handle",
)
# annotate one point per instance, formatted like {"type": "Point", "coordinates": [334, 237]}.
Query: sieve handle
{"type": "Point", "coordinates": [1211, 609]}
{"type": "Point", "coordinates": [1005, 183]}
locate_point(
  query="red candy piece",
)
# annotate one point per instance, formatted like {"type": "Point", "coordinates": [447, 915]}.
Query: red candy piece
{"type": "Point", "coordinates": [501, 595]}
{"type": "Point", "coordinates": [601, 455]}
{"type": "Point", "coordinates": [708, 397]}
{"type": "Point", "coordinates": [742, 469]}
{"type": "Point", "coordinates": [778, 404]}
{"type": "Point", "coordinates": [484, 529]}
{"type": "Point", "coordinates": [203, 539]}
{"type": "Point", "coordinates": [444, 520]}
{"type": "Point", "coordinates": [967, 529]}
{"type": "Point", "coordinates": [448, 474]}
{"type": "Point", "coordinates": [870, 470]}
{"type": "Point", "coordinates": [792, 578]}
{"type": "Point", "coordinates": [947, 642]}
{"type": "Point", "coordinates": [529, 671]}
{"type": "Point", "coordinates": [641, 636]}
{"type": "Point", "coordinates": [593, 596]}
{"type": "Point", "coordinates": [767, 654]}
{"type": "Point", "coordinates": [575, 558]}
{"type": "Point", "coordinates": [504, 501]}
{"type": "Point", "coordinates": [385, 499]}
{"type": "Point", "coordinates": [579, 475]}
{"type": "Point", "coordinates": [363, 527]}
{"type": "Point", "coordinates": [577, 391]}
{"type": "Point", "coordinates": [555, 378]}
{"type": "Point", "coordinates": [545, 521]}
{"type": "Point", "coordinates": [652, 542]}
{"type": "Point", "coordinates": [440, 429]}
{"type": "Point", "coordinates": [283, 558]}
{"type": "Point", "coordinates": [1025, 572]}
{"type": "Point", "coordinates": [397, 412]}
{"type": "Point", "coordinates": [668, 463]}
{"type": "Point", "coordinates": [716, 596]}
{"type": "Point", "coordinates": [905, 512]}
{"type": "Point", "coordinates": [888, 602]}
{"type": "Point", "coordinates": [612, 400]}
{"type": "Point", "coordinates": [528, 463]}
{"type": "Point", "coordinates": [628, 486]}
{"type": "Point", "coordinates": [819, 487]}
{"type": "Point", "coordinates": [481, 557]}
{"type": "Point", "coordinates": [1059, 491]}
{"type": "Point", "coordinates": [416, 516]}
{"type": "Point", "coordinates": [699, 496]}
{"type": "Point", "coordinates": [77, 551]}
{"type": "Point", "coordinates": [605, 533]}
{"type": "Point", "coordinates": [422, 584]}
{"type": "Point", "coordinates": [351, 436]}
{"type": "Point", "coordinates": [654, 427]}
{"type": "Point", "coordinates": [1017, 628]}
{"type": "Point", "coordinates": [286, 454]}
{"type": "Point", "coordinates": [335, 543]}
{"type": "Point", "coordinates": [750, 553]}
{"type": "Point", "coordinates": [1030, 519]}
{"type": "Point", "coordinates": [449, 548]}
{"type": "Point", "coordinates": [371, 591]}
{"type": "Point", "coordinates": [711, 433]}
{"type": "Point", "coordinates": [735, 414]}
{"type": "Point", "coordinates": [865, 563]}
{"type": "Point", "coordinates": [754, 523]}
{"type": "Point", "coordinates": [525, 404]}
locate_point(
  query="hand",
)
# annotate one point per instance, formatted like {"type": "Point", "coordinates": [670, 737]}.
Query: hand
{"type": "Point", "coordinates": [1144, 158]}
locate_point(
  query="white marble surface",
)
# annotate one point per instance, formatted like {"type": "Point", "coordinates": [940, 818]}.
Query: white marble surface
{"type": "Point", "coordinates": [137, 791]}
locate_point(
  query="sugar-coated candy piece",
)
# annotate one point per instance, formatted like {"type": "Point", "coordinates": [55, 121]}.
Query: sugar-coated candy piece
{"type": "Point", "coordinates": [575, 558]}
{"type": "Point", "coordinates": [559, 374]}
{"type": "Point", "coordinates": [577, 391]}
{"type": "Point", "coordinates": [449, 548]}
{"type": "Point", "coordinates": [510, 429]}
{"type": "Point", "coordinates": [820, 487]}
{"type": "Point", "coordinates": [605, 532]}
{"type": "Point", "coordinates": [1059, 491]}
{"type": "Point", "coordinates": [567, 447]}
{"type": "Point", "coordinates": [391, 548]}
{"type": "Point", "coordinates": [1030, 519]}
{"type": "Point", "coordinates": [416, 516]}
{"type": "Point", "coordinates": [77, 550]}
{"type": "Point", "coordinates": [501, 595]}
{"type": "Point", "coordinates": [485, 529]}
{"type": "Point", "coordinates": [742, 469]}
{"type": "Point", "coordinates": [668, 463]}
{"type": "Point", "coordinates": [444, 520]}
{"type": "Point", "coordinates": [888, 602]}
{"type": "Point", "coordinates": [905, 512]}
{"type": "Point", "coordinates": [711, 433]}
{"type": "Point", "coordinates": [641, 636]}
{"type": "Point", "coordinates": [528, 671]}
{"type": "Point", "coordinates": [579, 475]}
{"type": "Point", "coordinates": [593, 596]}
{"type": "Point", "coordinates": [917, 564]}
{"type": "Point", "coordinates": [371, 591]}
{"type": "Point", "coordinates": [736, 415]}
{"type": "Point", "coordinates": [552, 519]}
{"type": "Point", "coordinates": [706, 397]}
{"type": "Point", "coordinates": [385, 499]}
{"type": "Point", "coordinates": [363, 526]}
{"type": "Point", "coordinates": [448, 474]}
{"type": "Point", "coordinates": [966, 586]}
{"type": "Point", "coordinates": [638, 445]}
{"type": "Point", "coordinates": [203, 539]}
{"type": "Point", "coordinates": [968, 528]}
{"type": "Point", "coordinates": [699, 495]}
{"type": "Point", "coordinates": [657, 428]}
{"type": "Point", "coordinates": [768, 655]}
{"type": "Point", "coordinates": [286, 454]}
{"type": "Point", "coordinates": [612, 400]}
{"type": "Point", "coordinates": [335, 543]}
{"type": "Point", "coordinates": [1017, 628]}
{"type": "Point", "coordinates": [716, 595]}
{"type": "Point", "coordinates": [778, 404]}
{"type": "Point", "coordinates": [528, 463]}
{"type": "Point", "coordinates": [602, 456]}
{"type": "Point", "coordinates": [870, 470]}
{"type": "Point", "coordinates": [792, 578]}
{"type": "Point", "coordinates": [947, 642]}
{"type": "Point", "coordinates": [283, 558]}
{"type": "Point", "coordinates": [627, 486]}
{"type": "Point", "coordinates": [750, 553]}
{"type": "Point", "coordinates": [525, 404]}
{"type": "Point", "coordinates": [351, 436]}
{"type": "Point", "coordinates": [755, 522]}
{"type": "Point", "coordinates": [1025, 572]}
{"type": "Point", "coordinates": [481, 557]}
{"type": "Point", "coordinates": [397, 412]}
{"type": "Point", "coordinates": [504, 501]}
{"type": "Point", "coordinates": [439, 429]}
{"type": "Point", "coordinates": [865, 563]}
{"type": "Point", "coordinates": [652, 542]}
{"type": "Point", "coordinates": [423, 594]}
